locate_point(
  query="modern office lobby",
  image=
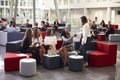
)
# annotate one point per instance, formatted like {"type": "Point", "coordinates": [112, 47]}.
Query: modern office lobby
{"type": "Point", "coordinates": [103, 51]}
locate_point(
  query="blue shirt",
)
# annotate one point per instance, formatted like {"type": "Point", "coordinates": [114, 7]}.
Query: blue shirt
{"type": "Point", "coordinates": [10, 29]}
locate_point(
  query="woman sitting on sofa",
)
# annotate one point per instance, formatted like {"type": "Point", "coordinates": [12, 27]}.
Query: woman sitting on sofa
{"type": "Point", "coordinates": [26, 45]}
{"type": "Point", "coordinates": [50, 40]}
{"type": "Point", "coordinates": [67, 44]}
{"type": "Point", "coordinates": [37, 41]}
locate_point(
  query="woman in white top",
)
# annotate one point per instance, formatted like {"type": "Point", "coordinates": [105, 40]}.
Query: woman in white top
{"type": "Point", "coordinates": [37, 41]}
{"type": "Point", "coordinates": [85, 38]}
{"type": "Point", "coordinates": [50, 40]}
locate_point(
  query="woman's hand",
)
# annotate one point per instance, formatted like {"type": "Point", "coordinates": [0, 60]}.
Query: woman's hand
{"type": "Point", "coordinates": [74, 35]}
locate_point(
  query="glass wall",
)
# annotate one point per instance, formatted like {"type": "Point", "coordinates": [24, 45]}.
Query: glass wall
{"type": "Point", "coordinates": [0, 12]}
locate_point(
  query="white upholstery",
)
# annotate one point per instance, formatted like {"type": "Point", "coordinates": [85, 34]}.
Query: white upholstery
{"type": "Point", "coordinates": [50, 55]}
{"type": "Point", "coordinates": [10, 36]}
{"type": "Point", "coordinates": [72, 53]}
{"type": "Point", "coordinates": [27, 67]}
{"type": "Point", "coordinates": [114, 37]}
{"type": "Point", "coordinates": [76, 57]}
{"type": "Point", "coordinates": [3, 39]}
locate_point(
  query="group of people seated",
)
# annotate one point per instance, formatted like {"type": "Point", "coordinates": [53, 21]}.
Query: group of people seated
{"type": "Point", "coordinates": [101, 28]}
{"type": "Point", "coordinates": [34, 43]}
{"type": "Point", "coordinates": [9, 28]}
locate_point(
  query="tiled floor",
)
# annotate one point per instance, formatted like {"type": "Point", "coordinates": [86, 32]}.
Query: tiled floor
{"type": "Point", "coordinates": [89, 73]}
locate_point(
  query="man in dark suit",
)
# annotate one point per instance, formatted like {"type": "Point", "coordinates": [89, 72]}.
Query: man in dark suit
{"type": "Point", "coordinates": [56, 24]}
{"type": "Point", "coordinates": [4, 26]}
{"type": "Point", "coordinates": [43, 28]}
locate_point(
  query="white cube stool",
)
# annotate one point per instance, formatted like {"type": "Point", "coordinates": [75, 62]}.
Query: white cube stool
{"type": "Point", "coordinates": [27, 67]}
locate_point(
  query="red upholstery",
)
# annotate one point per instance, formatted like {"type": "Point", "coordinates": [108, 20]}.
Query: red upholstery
{"type": "Point", "coordinates": [115, 27]}
{"type": "Point", "coordinates": [47, 26]}
{"type": "Point", "coordinates": [59, 44]}
{"type": "Point", "coordinates": [105, 54]}
{"type": "Point", "coordinates": [3, 19]}
{"type": "Point", "coordinates": [11, 61]}
{"type": "Point", "coordinates": [101, 37]}
{"type": "Point", "coordinates": [43, 35]}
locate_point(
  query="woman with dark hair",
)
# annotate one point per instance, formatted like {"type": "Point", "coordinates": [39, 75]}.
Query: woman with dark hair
{"type": "Point", "coordinates": [85, 38]}
{"type": "Point", "coordinates": [67, 44]}
{"type": "Point", "coordinates": [109, 29]}
{"type": "Point", "coordinates": [12, 22]}
{"type": "Point", "coordinates": [27, 41]}
{"type": "Point", "coordinates": [50, 40]}
{"type": "Point", "coordinates": [26, 45]}
{"type": "Point", "coordinates": [102, 23]}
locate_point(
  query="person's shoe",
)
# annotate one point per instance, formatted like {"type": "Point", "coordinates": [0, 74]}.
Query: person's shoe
{"type": "Point", "coordinates": [65, 64]}
{"type": "Point", "coordinates": [85, 64]}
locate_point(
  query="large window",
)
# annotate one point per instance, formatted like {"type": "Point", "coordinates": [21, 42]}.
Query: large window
{"type": "Point", "coordinates": [30, 3]}
{"type": "Point", "coordinates": [65, 2]}
{"type": "Point", "coordinates": [60, 2]}
{"type": "Point", "coordinates": [23, 3]}
{"type": "Point", "coordinates": [2, 2]}
{"type": "Point", "coordinates": [0, 13]}
{"type": "Point", "coordinates": [78, 1]}
{"type": "Point", "coordinates": [72, 1]}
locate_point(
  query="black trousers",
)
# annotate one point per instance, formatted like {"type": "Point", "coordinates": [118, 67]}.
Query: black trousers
{"type": "Point", "coordinates": [83, 51]}
{"type": "Point", "coordinates": [34, 51]}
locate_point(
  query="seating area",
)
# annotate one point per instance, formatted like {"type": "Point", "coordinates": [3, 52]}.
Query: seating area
{"type": "Point", "coordinates": [10, 36]}
{"type": "Point", "coordinates": [104, 54]}
{"type": "Point", "coordinates": [59, 39]}
{"type": "Point", "coordinates": [11, 60]}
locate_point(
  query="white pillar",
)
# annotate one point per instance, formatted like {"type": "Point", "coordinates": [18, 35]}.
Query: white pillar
{"type": "Point", "coordinates": [75, 1]}
{"type": "Point", "coordinates": [69, 15]}
{"type": "Point", "coordinates": [19, 6]}
{"type": "Point", "coordinates": [4, 9]}
{"type": "Point", "coordinates": [62, 2]}
{"type": "Point", "coordinates": [34, 9]}
{"type": "Point", "coordinates": [108, 14]}
{"type": "Point", "coordinates": [49, 13]}
{"type": "Point", "coordinates": [57, 9]}
{"type": "Point", "coordinates": [86, 12]}
{"type": "Point", "coordinates": [11, 8]}
{"type": "Point", "coordinates": [15, 12]}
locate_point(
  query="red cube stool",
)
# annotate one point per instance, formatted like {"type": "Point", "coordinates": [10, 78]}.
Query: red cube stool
{"type": "Point", "coordinates": [11, 60]}
{"type": "Point", "coordinates": [101, 37]}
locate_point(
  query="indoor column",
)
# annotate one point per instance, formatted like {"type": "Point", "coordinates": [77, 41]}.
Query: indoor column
{"type": "Point", "coordinates": [57, 10]}
{"type": "Point", "coordinates": [49, 17]}
{"type": "Point", "coordinates": [34, 18]}
{"type": "Point", "coordinates": [15, 12]}
{"type": "Point", "coordinates": [85, 12]}
{"type": "Point", "coordinates": [108, 14]}
{"type": "Point", "coordinates": [11, 8]}
{"type": "Point", "coordinates": [4, 9]}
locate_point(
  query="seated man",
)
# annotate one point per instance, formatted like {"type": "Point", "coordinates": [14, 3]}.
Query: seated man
{"type": "Point", "coordinates": [43, 28]}
{"type": "Point", "coordinates": [4, 26]}
{"type": "Point", "coordinates": [11, 29]}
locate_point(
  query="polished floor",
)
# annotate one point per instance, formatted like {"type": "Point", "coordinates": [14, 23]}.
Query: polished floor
{"type": "Point", "coordinates": [89, 73]}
